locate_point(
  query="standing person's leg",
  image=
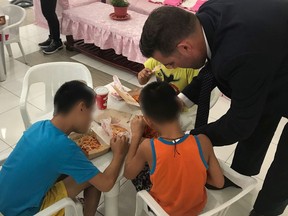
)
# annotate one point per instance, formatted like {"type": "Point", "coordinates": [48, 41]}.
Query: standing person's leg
{"type": "Point", "coordinates": [250, 153]}
{"type": "Point", "coordinates": [48, 8]}
{"type": "Point", "coordinates": [273, 198]}
{"type": "Point", "coordinates": [54, 43]}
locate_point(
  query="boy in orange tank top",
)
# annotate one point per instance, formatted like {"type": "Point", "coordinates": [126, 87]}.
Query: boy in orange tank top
{"type": "Point", "coordinates": [180, 164]}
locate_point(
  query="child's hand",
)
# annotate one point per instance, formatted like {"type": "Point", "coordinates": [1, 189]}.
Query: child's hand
{"type": "Point", "coordinates": [137, 126]}
{"type": "Point", "coordinates": [119, 145]}
{"type": "Point", "coordinates": [144, 76]}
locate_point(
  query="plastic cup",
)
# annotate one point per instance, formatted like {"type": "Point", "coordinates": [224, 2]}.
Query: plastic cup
{"type": "Point", "coordinates": [101, 97]}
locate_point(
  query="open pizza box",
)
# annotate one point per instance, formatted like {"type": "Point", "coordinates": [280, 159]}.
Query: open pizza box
{"type": "Point", "coordinates": [127, 96]}
{"type": "Point", "coordinates": [96, 132]}
{"type": "Point", "coordinates": [112, 117]}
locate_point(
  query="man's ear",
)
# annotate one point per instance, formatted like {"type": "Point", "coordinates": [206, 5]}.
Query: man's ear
{"type": "Point", "coordinates": [185, 47]}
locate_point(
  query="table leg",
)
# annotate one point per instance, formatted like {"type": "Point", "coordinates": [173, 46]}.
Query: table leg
{"type": "Point", "coordinates": [111, 201]}
{"type": "Point", "coordinates": [3, 65]}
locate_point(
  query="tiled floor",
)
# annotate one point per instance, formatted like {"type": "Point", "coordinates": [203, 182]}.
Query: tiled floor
{"type": "Point", "coordinates": [12, 127]}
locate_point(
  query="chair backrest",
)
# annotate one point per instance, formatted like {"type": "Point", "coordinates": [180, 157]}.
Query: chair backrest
{"type": "Point", "coordinates": [53, 75]}
{"type": "Point", "coordinates": [16, 17]}
{"type": "Point", "coordinates": [218, 201]}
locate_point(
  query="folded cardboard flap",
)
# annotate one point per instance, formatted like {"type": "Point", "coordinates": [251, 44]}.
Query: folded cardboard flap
{"type": "Point", "coordinates": [126, 96]}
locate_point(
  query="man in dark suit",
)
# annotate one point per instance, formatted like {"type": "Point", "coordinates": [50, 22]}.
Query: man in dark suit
{"type": "Point", "coordinates": [244, 46]}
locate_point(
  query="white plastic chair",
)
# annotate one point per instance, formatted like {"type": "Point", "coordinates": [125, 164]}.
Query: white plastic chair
{"type": "Point", "coordinates": [218, 203]}
{"type": "Point", "coordinates": [16, 17]}
{"type": "Point", "coordinates": [53, 75]}
{"type": "Point", "coordinates": [71, 208]}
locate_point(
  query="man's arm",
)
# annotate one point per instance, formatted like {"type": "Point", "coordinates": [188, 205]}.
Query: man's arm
{"type": "Point", "coordinates": [249, 78]}
{"type": "Point", "coordinates": [105, 181]}
{"type": "Point", "coordinates": [190, 94]}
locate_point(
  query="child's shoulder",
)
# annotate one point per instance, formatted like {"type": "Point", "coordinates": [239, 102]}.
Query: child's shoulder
{"type": "Point", "coordinates": [206, 145]}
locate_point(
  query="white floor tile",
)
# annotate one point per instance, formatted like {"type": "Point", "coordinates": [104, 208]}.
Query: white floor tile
{"type": "Point", "coordinates": [28, 47]}
{"type": "Point", "coordinates": [15, 86]}
{"type": "Point", "coordinates": [88, 61]}
{"type": "Point", "coordinates": [38, 101]}
{"type": "Point", "coordinates": [7, 151]}
{"type": "Point", "coordinates": [8, 100]}
{"type": "Point", "coordinates": [3, 146]}
{"type": "Point", "coordinates": [266, 164]}
{"type": "Point", "coordinates": [220, 108]}
{"type": "Point", "coordinates": [224, 152]}
{"type": "Point", "coordinates": [124, 75]}
{"type": "Point", "coordinates": [15, 70]}
{"type": "Point", "coordinates": [12, 126]}
{"type": "Point", "coordinates": [267, 161]}
{"type": "Point", "coordinates": [29, 31]}
{"type": "Point", "coordinates": [127, 201]}
{"type": "Point", "coordinates": [278, 132]}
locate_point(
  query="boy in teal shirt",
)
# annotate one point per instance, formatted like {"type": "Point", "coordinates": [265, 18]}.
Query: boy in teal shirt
{"type": "Point", "coordinates": [28, 179]}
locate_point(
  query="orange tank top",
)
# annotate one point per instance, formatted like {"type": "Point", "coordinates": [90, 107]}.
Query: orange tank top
{"type": "Point", "coordinates": [178, 175]}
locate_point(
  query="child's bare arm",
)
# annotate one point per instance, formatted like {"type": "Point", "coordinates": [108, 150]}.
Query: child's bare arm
{"type": "Point", "coordinates": [135, 160]}
{"type": "Point", "coordinates": [105, 181]}
{"type": "Point", "coordinates": [144, 76]}
{"type": "Point", "coordinates": [214, 173]}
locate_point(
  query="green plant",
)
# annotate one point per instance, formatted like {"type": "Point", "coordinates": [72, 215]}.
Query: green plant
{"type": "Point", "coordinates": [120, 3]}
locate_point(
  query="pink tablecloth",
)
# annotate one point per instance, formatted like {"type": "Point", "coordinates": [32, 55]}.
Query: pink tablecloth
{"type": "Point", "coordinates": [93, 24]}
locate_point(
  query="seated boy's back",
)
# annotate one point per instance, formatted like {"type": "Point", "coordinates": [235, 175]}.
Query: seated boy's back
{"type": "Point", "coordinates": [180, 164]}
{"type": "Point", "coordinates": [54, 153]}
{"type": "Point", "coordinates": [28, 178]}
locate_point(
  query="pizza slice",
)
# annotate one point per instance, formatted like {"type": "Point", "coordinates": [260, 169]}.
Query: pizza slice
{"type": "Point", "coordinates": [118, 130]}
{"type": "Point", "coordinates": [88, 143]}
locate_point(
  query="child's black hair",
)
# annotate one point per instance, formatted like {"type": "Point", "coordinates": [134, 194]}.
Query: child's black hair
{"type": "Point", "coordinates": [71, 93]}
{"type": "Point", "coordinates": [159, 101]}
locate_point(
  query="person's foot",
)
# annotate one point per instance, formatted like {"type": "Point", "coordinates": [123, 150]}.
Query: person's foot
{"type": "Point", "coordinates": [53, 47]}
{"type": "Point", "coordinates": [254, 213]}
{"type": "Point", "coordinates": [46, 43]}
{"type": "Point", "coordinates": [227, 183]}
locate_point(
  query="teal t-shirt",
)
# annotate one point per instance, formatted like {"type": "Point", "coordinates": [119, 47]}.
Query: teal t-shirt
{"type": "Point", "coordinates": [42, 154]}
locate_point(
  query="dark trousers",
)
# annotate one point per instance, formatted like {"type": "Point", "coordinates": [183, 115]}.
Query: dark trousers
{"type": "Point", "coordinates": [249, 155]}
{"type": "Point", "coordinates": [48, 8]}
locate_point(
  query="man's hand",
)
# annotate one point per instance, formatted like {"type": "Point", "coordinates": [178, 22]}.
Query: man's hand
{"type": "Point", "coordinates": [144, 76]}
{"type": "Point", "coordinates": [119, 145]}
{"type": "Point", "coordinates": [137, 126]}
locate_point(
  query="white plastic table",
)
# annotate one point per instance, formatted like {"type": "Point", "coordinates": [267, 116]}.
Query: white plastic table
{"type": "Point", "coordinates": [3, 65]}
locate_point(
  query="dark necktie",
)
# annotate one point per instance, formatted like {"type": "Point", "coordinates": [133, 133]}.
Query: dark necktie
{"type": "Point", "coordinates": [207, 84]}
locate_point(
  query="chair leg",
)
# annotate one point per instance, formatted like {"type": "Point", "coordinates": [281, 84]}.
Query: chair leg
{"type": "Point", "coordinates": [8, 46]}
{"type": "Point", "coordinates": [2, 54]}
{"type": "Point", "coordinates": [22, 51]}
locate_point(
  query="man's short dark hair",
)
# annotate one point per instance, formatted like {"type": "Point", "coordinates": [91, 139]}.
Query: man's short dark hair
{"type": "Point", "coordinates": [71, 93]}
{"type": "Point", "coordinates": [159, 102]}
{"type": "Point", "coordinates": [164, 29]}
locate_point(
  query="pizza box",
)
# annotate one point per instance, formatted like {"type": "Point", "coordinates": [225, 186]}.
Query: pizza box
{"type": "Point", "coordinates": [126, 96]}
{"type": "Point", "coordinates": [115, 115]}
{"type": "Point", "coordinates": [105, 147]}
